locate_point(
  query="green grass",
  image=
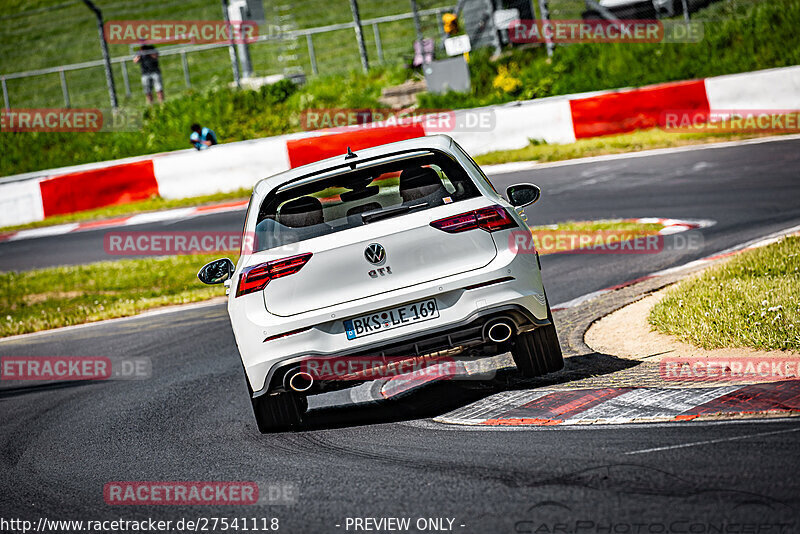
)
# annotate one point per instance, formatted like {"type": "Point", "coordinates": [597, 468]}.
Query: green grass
{"type": "Point", "coordinates": [610, 144]}
{"type": "Point", "coordinates": [753, 300]}
{"type": "Point", "coordinates": [602, 226]}
{"type": "Point", "coordinates": [152, 204]}
{"type": "Point", "coordinates": [597, 230]}
{"type": "Point", "coordinates": [61, 296]}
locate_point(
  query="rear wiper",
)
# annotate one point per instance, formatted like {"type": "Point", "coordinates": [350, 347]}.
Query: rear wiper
{"type": "Point", "coordinates": [388, 212]}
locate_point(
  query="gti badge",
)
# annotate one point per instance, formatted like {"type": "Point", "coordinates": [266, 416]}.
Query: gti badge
{"type": "Point", "coordinates": [375, 254]}
{"type": "Point", "coordinates": [383, 271]}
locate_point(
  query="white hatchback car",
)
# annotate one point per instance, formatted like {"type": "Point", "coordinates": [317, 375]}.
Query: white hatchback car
{"type": "Point", "coordinates": [402, 250]}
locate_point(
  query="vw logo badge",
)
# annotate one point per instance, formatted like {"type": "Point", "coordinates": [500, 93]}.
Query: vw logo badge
{"type": "Point", "coordinates": [375, 254]}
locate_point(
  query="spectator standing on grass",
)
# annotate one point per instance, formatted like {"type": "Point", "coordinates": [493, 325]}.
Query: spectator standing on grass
{"type": "Point", "coordinates": [147, 58]}
{"type": "Point", "coordinates": [202, 137]}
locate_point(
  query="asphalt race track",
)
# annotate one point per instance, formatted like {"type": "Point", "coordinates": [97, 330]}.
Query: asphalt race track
{"type": "Point", "coordinates": [60, 443]}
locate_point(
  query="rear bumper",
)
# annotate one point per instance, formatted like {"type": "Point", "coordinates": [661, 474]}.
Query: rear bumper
{"type": "Point", "coordinates": [468, 333]}
{"type": "Point", "coordinates": [513, 287]}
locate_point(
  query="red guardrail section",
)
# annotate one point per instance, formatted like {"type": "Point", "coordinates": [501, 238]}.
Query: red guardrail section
{"type": "Point", "coordinates": [96, 188]}
{"type": "Point", "coordinates": [635, 109]}
{"type": "Point", "coordinates": [311, 149]}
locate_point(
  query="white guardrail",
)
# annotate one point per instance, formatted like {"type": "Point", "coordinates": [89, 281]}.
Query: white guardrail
{"type": "Point", "coordinates": [227, 167]}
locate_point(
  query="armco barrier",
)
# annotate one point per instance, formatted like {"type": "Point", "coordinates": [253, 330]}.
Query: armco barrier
{"type": "Point", "coordinates": [224, 168]}
{"type": "Point", "coordinates": [311, 149]}
{"type": "Point", "coordinates": [516, 123]}
{"type": "Point", "coordinates": [20, 203]}
{"type": "Point", "coordinates": [232, 166]}
{"type": "Point", "coordinates": [96, 188]}
{"type": "Point", "coordinates": [635, 109]}
{"type": "Point", "coordinates": [764, 89]}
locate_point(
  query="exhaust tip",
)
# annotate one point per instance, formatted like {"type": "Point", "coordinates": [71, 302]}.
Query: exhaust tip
{"type": "Point", "coordinates": [299, 381]}
{"type": "Point", "coordinates": [499, 331]}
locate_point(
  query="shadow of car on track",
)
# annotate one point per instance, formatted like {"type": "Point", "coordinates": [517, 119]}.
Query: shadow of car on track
{"type": "Point", "coordinates": [439, 397]}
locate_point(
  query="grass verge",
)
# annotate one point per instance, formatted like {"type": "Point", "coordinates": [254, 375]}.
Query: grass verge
{"type": "Point", "coordinates": [611, 144]}
{"type": "Point", "coordinates": [61, 296]}
{"type": "Point", "coordinates": [753, 300]}
{"type": "Point", "coordinates": [120, 210]}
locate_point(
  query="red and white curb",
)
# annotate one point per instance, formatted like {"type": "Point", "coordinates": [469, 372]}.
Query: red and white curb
{"type": "Point", "coordinates": [131, 220]}
{"type": "Point", "coordinates": [669, 226]}
{"type": "Point", "coordinates": [628, 405]}
{"type": "Point", "coordinates": [674, 226]}
{"type": "Point", "coordinates": [755, 243]}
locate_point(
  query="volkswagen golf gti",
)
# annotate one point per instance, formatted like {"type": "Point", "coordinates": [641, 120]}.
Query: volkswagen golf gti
{"type": "Point", "coordinates": [403, 250]}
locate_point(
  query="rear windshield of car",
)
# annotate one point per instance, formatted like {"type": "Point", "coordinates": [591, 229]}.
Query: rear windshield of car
{"type": "Point", "coordinates": [352, 198]}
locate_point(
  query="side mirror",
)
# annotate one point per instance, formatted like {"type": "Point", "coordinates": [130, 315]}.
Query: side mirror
{"type": "Point", "coordinates": [521, 195]}
{"type": "Point", "coordinates": [216, 272]}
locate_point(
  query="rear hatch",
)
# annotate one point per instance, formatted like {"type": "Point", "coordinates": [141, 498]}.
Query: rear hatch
{"type": "Point", "coordinates": [415, 253]}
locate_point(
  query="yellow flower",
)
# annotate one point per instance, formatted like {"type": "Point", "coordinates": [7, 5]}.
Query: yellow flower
{"type": "Point", "coordinates": [505, 81]}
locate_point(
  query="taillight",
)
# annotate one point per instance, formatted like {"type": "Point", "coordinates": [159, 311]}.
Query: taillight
{"type": "Point", "coordinates": [285, 334]}
{"type": "Point", "coordinates": [257, 277]}
{"type": "Point", "coordinates": [491, 219]}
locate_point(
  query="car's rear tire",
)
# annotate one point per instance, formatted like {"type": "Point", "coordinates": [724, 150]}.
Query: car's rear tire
{"type": "Point", "coordinates": [281, 411]}
{"type": "Point", "coordinates": [538, 352]}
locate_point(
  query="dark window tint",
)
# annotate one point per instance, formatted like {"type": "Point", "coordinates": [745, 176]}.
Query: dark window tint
{"type": "Point", "coordinates": [352, 198]}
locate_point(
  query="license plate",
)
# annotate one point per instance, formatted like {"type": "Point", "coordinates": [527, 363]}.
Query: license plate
{"type": "Point", "coordinates": [381, 321]}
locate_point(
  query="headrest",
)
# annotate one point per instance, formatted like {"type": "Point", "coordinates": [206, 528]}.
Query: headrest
{"type": "Point", "coordinates": [300, 212]}
{"type": "Point", "coordinates": [419, 182]}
